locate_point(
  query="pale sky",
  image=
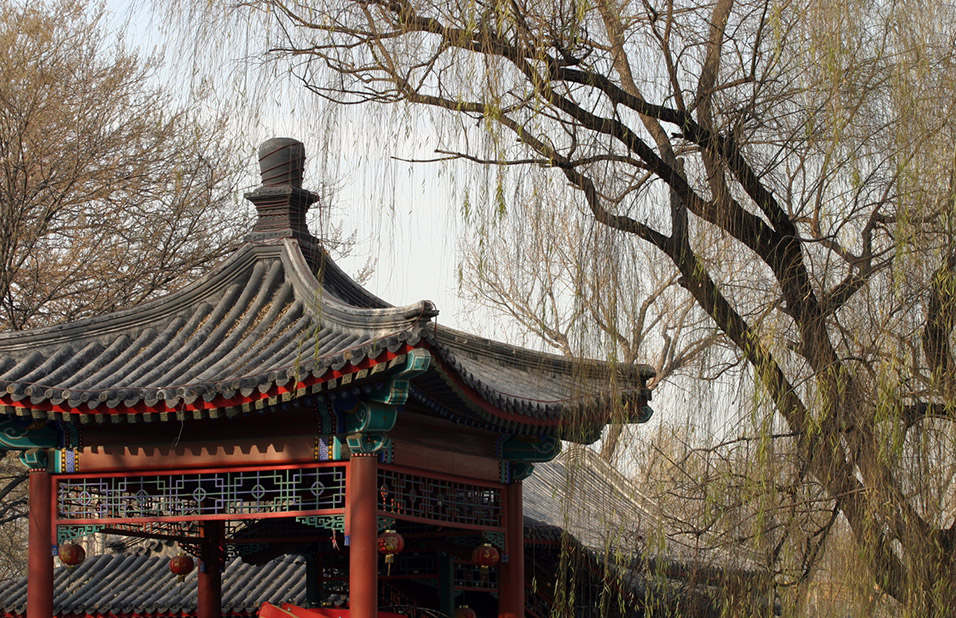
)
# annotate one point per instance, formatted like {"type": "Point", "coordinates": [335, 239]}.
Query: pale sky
{"type": "Point", "coordinates": [401, 212]}
{"type": "Point", "coordinates": [406, 215]}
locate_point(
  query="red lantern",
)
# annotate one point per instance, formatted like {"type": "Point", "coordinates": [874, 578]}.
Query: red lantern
{"type": "Point", "coordinates": [465, 612]}
{"type": "Point", "coordinates": [71, 554]}
{"type": "Point", "coordinates": [485, 556]}
{"type": "Point", "coordinates": [181, 566]}
{"type": "Point", "coordinates": [390, 543]}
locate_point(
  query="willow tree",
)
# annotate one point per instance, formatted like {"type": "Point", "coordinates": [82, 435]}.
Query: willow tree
{"type": "Point", "coordinates": [788, 164]}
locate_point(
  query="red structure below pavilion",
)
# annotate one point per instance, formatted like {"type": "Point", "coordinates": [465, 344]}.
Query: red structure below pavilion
{"type": "Point", "coordinates": [275, 406]}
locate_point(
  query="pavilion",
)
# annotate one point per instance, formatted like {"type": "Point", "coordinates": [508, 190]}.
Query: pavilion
{"type": "Point", "coordinates": [275, 404]}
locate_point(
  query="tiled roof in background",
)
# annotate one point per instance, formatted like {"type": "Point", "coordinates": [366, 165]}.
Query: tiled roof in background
{"type": "Point", "coordinates": [611, 516]}
{"type": "Point", "coordinates": [583, 494]}
{"type": "Point", "coordinates": [128, 585]}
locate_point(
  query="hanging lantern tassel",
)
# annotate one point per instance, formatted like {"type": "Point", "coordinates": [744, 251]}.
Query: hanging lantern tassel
{"type": "Point", "coordinates": [485, 556]}
{"type": "Point", "coordinates": [390, 543]}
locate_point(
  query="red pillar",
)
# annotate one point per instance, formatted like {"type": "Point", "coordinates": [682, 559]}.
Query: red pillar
{"type": "Point", "coordinates": [511, 573]}
{"type": "Point", "coordinates": [40, 560]}
{"type": "Point", "coordinates": [363, 536]}
{"type": "Point", "coordinates": [209, 578]}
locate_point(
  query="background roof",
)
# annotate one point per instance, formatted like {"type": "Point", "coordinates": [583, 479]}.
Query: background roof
{"type": "Point", "coordinates": [128, 585]}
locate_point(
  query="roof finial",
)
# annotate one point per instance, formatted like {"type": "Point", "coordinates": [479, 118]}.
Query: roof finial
{"type": "Point", "coordinates": [281, 201]}
{"type": "Point", "coordinates": [281, 162]}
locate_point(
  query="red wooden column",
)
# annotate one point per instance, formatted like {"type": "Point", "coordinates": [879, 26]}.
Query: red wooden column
{"type": "Point", "coordinates": [40, 560]}
{"type": "Point", "coordinates": [511, 573]}
{"type": "Point", "coordinates": [363, 535]}
{"type": "Point", "coordinates": [209, 578]}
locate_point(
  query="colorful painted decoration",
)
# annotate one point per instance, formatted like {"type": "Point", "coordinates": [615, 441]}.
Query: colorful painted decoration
{"type": "Point", "coordinates": [71, 554]}
{"type": "Point", "coordinates": [181, 566]}
{"type": "Point", "coordinates": [390, 543]}
{"type": "Point", "coordinates": [465, 612]}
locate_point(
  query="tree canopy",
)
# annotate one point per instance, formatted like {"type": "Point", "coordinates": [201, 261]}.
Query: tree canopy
{"type": "Point", "coordinates": [112, 189]}
{"type": "Point", "coordinates": [104, 175]}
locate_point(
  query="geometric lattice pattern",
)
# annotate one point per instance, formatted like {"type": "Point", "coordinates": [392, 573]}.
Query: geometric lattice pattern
{"type": "Point", "coordinates": [181, 496]}
{"type": "Point", "coordinates": [417, 498]}
{"type": "Point", "coordinates": [65, 534]}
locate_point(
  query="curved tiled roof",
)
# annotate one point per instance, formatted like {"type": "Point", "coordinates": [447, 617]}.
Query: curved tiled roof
{"type": "Point", "coordinates": [259, 327]}
{"type": "Point", "coordinates": [583, 494]}
{"type": "Point", "coordinates": [539, 388]}
{"type": "Point", "coordinates": [278, 321]}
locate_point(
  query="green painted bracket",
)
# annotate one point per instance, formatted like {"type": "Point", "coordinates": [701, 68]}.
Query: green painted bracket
{"type": "Point", "coordinates": [532, 448]}
{"type": "Point", "coordinates": [367, 424]}
{"type": "Point", "coordinates": [514, 471]}
{"type": "Point", "coordinates": [367, 443]}
{"type": "Point", "coordinates": [66, 533]}
{"type": "Point", "coordinates": [369, 417]}
{"type": "Point", "coordinates": [520, 470]}
{"type": "Point", "coordinates": [35, 439]}
{"type": "Point", "coordinates": [518, 454]}
{"type": "Point", "coordinates": [35, 458]}
{"type": "Point", "coordinates": [417, 362]}
{"type": "Point", "coordinates": [335, 523]}
{"type": "Point", "coordinates": [18, 436]}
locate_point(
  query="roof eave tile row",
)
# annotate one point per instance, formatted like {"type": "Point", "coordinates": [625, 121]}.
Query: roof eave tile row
{"type": "Point", "coordinates": [278, 386]}
{"type": "Point", "coordinates": [258, 330]}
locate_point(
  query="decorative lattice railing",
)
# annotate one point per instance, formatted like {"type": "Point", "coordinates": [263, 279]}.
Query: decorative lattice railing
{"type": "Point", "coordinates": [184, 496]}
{"type": "Point", "coordinates": [449, 501]}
